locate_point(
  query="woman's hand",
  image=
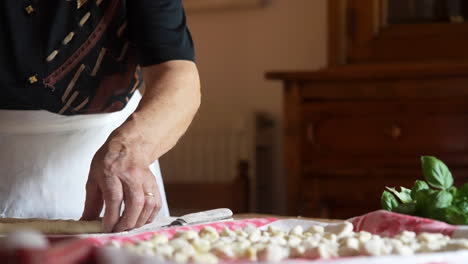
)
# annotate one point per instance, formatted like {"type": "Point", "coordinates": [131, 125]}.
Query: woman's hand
{"type": "Point", "coordinates": [119, 172]}
{"type": "Point", "coordinates": [119, 175]}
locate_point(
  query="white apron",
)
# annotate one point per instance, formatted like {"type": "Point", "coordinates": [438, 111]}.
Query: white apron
{"type": "Point", "coordinates": [45, 160]}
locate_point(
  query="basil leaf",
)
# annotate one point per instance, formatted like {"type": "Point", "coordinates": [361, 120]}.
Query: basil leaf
{"type": "Point", "coordinates": [424, 205]}
{"type": "Point", "coordinates": [442, 199]}
{"type": "Point", "coordinates": [418, 186]}
{"type": "Point", "coordinates": [453, 190]}
{"type": "Point", "coordinates": [404, 195]}
{"type": "Point", "coordinates": [388, 201]}
{"type": "Point", "coordinates": [463, 206]}
{"type": "Point", "coordinates": [436, 173]}
{"type": "Point", "coordinates": [463, 191]}
{"type": "Point", "coordinates": [406, 208]}
{"type": "Point", "coordinates": [455, 216]}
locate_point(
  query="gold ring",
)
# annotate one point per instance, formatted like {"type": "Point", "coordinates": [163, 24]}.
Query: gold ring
{"type": "Point", "coordinates": [149, 194]}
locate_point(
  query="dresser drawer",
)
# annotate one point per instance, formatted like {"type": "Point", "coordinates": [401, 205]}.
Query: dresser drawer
{"type": "Point", "coordinates": [355, 189]}
{"type": "Point", "coordinates": [384, 128]}
{"type": "Point", "coordinates": [345, 195]}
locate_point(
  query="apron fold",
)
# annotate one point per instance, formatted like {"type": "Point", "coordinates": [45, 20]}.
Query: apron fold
{"type": "Point", "coordinates": [45, 160]}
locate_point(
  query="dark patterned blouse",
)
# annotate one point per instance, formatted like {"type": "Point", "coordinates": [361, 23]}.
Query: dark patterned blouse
{"type": "Point", "coordinates": [81, 56]}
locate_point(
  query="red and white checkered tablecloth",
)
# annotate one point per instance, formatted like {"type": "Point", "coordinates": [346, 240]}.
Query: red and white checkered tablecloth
{"type": "Point", "coordinates": [384, 223]}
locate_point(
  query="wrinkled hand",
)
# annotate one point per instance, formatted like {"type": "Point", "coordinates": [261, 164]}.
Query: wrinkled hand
{"type": "Point", "coordinates": [119, 170]}
{"type": "Point", "coordinates": [119, 175]}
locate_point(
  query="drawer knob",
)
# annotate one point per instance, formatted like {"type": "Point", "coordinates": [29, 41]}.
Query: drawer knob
{"type": "Point", "coordinates": [394, 132]}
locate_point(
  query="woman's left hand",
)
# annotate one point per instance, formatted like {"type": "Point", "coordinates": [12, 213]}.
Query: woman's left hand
{"type": "Point", "coordinates": [119, 175]}
{"type": "Point", "coordinates": [119, 172]}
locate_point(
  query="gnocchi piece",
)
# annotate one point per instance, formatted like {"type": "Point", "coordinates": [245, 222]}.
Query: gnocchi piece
{"type": "Point", "coordinates": [209, 233]}
{"type": "Point", "coordinates": [431, 246]}
{"type": "Point", "coordinates": [324, 251]}
{"type": "Point", "coordinates": [201, 245]}
{"type": "Point", "coordinates": [180, 257]}
{"type": "Point", "coordinates": [249, 229]}
{"type": "Point", "coordinates": [187, 235]}
{"type": "Point", "coordinates": [241, 233]}
{"type": "Point", "coordinates": [310, 243]}
{"type": "Point", "coordinates": [190, 250]}
{"type": "Point", "coordinates": [414, 246]}
{"type": "Point", "coordinates": [241, 239]}
{"type": "Point", "coordinates": [375, 247]}
{"type": "Point", "coordinates": [226, 253]}
{"type": "Point", "coordinates": [250, 254]}
{"type": "Point", "coordinates": [207, 258]}
{"type": "Point", "coordinates": [159, 239]}
{"type": "Point", "coordinates": [145, 244]}
{"type": "Point", "coordinates": [164, 250]}
{"type": "Point", "coordinates": [272, 253]}
{"type": "Point", "coordinates": [363, 236]}
{"type": "Point", "coordinates": [227, 232]}
{"type": "Point", "coordinates": [430, 237]}
{"type": "Point", "coordinates": [297, 231]}
{"type": "Point", "coordinates": [179, 243]}
{"type": "Point", "coordinates": [264, 239]}
{"type": "Point", "coordinates": [406, 237]}
{"type": "Point", "coordinates": [130, 246]}
{"type": "Point", "coordinates": [255, 235]}
{"type": "Point", "coordinates": [327, 237]}
{"type": "Point", "coordinates": [340, 230]}
{"type": "Point", "coordinates": [297, 252]}
{"type": "Point", "coordinates": [294, 241]}
{"type": "Point", "coordinates": [278, 240]}
{"type": "Point", "coordinates": [349, 246]}
{"type": "Point", "coordinates": [315, 237]}
{"type": "Point", "coordinates": [273, 244]}
{"type": "Point", "coordinates": [399, 248]}
{"type": "Point", "coordinates": [274, 231]}
{"type": "Point", "coordinates": [315, 229]}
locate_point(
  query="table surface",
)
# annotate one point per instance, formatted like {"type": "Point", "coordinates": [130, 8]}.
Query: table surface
{"type": "Point", "coordinates": [253, 215]}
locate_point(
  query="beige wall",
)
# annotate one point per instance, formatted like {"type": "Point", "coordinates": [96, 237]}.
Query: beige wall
{"type": "Point", "coordinates": [236, 47]}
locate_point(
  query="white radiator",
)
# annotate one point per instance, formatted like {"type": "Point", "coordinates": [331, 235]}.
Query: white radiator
{"type": "Point", "coordinates": [209, 154]}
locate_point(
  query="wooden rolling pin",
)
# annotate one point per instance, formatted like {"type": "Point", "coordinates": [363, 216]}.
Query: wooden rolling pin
{"type": "Point", "coordinates": [50, 226]}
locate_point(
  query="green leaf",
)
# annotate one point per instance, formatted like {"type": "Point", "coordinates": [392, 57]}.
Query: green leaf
{"type": "Point", "coordinates": [439, 214]}
{"type": "Point", "coordinates": [418, 186]}
{"type": "Point", "coordinates": [453, 190]}
{"type": "Point", "coordinates": [442, 199]}
{"type": "Point", "coordinates": [406, 208]}
{"type": "Point", "coordinates": [404, 195]}
{"type": "Point", "coordinates": [463, 191]}
{"type": "Point", "coordinates": [388, 201]}
{"type": "Point", "coordinates": [462, 206]}
{"type": "Point", "coordinates": [436, 173]}
{"type": "Point", "coordinates": [455, 216]}
{"type": "Point", "coordinates": [424, 205]}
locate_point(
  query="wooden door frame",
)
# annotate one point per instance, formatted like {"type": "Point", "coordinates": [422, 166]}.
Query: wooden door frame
{"type": "Point", "coordinates": [344, 20]}
{"type": "Point", "coordinates": [358, 36]}
{"type": "Point", "coordinates": [337, 32]}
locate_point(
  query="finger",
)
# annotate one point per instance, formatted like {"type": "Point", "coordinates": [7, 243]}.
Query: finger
{"type": "Point", "coordinates": [146, 212]}
{"type": "Point", "coordinates": [152, 203]}
{"type": "Point", "coordinates": [152, 199]}
{"type": "Point", "coordinates": [93, 202]}
{"type": "Point", "coordinates": [113, 197]}
{"type": "Point", "coordinates": [134, 200]}
{"type": "Point", "coordinates": [154, 213]}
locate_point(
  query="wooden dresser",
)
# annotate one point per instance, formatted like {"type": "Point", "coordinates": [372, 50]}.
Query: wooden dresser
{"type": "Point", "coordinates": [352, 130]}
